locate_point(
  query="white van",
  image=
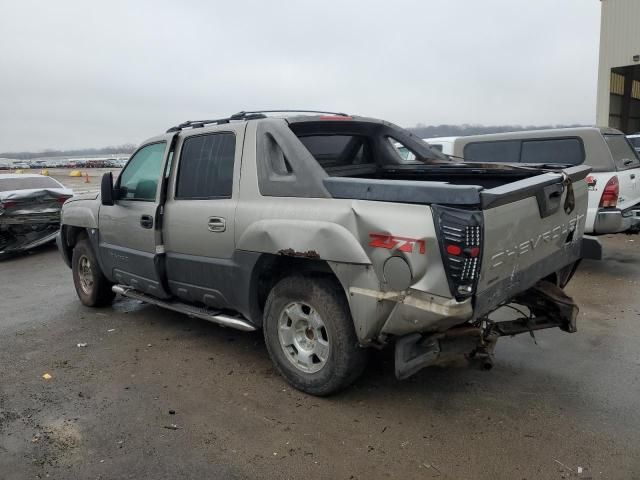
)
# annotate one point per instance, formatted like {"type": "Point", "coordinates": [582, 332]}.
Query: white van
{"type": "Point", "coordinates": [614, 184]}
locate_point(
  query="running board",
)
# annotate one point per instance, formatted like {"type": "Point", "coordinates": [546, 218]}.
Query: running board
{"type": "Point", "coordinates": [198, 312]}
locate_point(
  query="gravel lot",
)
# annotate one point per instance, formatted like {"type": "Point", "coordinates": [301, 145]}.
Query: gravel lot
{"type": "Point", "coordinates": [106, 412]}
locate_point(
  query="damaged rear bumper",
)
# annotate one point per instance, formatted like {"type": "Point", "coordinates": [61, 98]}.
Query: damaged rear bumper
{"type": "Point", "coordinates": [547, 305]}
{"type": "Point", "coordinates": [28, 241]}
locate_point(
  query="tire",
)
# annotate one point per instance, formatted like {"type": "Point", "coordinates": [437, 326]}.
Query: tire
{"type": "Point", "coordinates": [92, 287]}
{"type": "Point", "coordinates": [316, 357]}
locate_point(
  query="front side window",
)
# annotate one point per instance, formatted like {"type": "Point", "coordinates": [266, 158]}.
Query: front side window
{"type": "Point", "coordinates": [488, 152]}
{"type": "Point", "coordinates": [563, 151]}
{"type": "Point", "coordinates": [623, 154]}
{"type": "Point", "coordinates": [206, 166]}
{"type": "Point", "coordinates": [139, 179]}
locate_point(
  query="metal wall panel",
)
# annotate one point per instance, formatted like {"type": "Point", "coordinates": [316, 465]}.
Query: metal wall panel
{"type": "Point", "coordinates": [619, 42]}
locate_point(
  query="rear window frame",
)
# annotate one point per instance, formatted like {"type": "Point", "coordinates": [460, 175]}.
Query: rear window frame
{"type": "Point", "coordinates": [365, 147]}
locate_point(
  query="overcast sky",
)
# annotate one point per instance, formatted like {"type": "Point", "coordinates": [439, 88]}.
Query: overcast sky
{"type": "Point", "coordinates": [88, 74]}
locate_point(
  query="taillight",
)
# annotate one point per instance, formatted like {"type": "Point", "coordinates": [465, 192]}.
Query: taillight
{"type": "Point", "coordinates": [610, 193]}
{"type": "Point", "coordinates": [460, 235]}
{"type": "Point", "coordinates": [61, 200]}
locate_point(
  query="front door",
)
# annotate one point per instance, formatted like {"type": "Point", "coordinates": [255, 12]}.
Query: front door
{"type": "Point", "coordinates": [199, 215]}
{"type": "Point", "coordinates": [128, 236]}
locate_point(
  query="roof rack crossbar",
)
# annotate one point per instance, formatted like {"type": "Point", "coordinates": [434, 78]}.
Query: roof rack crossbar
{"type": "Point", "coordinates": [286, 110]}
{"type": "Point", "coordinates": [249, 115]}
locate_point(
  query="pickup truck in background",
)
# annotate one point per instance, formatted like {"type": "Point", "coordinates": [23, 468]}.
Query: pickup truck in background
{"type": "Point", "coordinates": [614, 182]}
{"type": "Point", "coordinates": [315, 229]}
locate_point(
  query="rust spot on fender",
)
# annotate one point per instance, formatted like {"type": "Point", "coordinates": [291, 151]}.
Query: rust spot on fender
{"type": "Point", "coordinates": [290, 252]}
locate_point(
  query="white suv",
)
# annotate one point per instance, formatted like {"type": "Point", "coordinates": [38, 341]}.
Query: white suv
{"type": "Point", "coordinates": [614, 183]}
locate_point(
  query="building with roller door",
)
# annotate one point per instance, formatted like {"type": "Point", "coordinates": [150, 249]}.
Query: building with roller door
{"type": "Point", "coordinates": [619, 67]}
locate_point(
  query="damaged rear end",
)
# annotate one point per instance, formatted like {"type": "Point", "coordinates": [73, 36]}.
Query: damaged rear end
{"type": "Point", "coordinates": [30, 208]}
{"type": "Point", "coordinates": [510, 257]}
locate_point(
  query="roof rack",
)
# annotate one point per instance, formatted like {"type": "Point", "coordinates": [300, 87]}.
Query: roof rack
{"type": "Point", "coordinates": [291, 111]}
{"type": "Point", "coordinates": [252, 115]}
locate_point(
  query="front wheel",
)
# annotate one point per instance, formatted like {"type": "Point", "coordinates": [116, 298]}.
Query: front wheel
{"type": "Point", "coordinates": [92, 287]}
{"type": "Point", "coordinates": [310, 335]}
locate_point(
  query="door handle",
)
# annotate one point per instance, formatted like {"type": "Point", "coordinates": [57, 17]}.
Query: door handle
{"type": "Point", "coordinates": [217, 224]}
{"type": "Point", "coordinates": [146, 221]}
{"type": "Point", "coordinates": [633, 175]}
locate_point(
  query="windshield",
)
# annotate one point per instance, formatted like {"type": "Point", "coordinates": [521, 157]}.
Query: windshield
{"type": "Point", "coordinates": [623, 154]}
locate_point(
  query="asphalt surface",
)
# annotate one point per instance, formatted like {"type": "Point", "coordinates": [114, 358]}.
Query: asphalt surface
{"type": "Point", "coordinates": [568, 403]}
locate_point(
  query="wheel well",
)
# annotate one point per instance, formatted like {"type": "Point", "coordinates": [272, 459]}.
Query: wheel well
{"type": "Point", "coordinates": [70, 236]}
{"type": "Point", "coordinates": [270, 269]}
{"type": "Point", "coordinates": [73, 235]}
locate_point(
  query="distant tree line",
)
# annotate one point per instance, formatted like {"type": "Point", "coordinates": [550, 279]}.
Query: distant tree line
{"type": "Point", "coordinates": [429, 131]}
{"type": "Point", "coordinates": [423, 131]}
{"type": "Point", "coordinates": [126, 148]}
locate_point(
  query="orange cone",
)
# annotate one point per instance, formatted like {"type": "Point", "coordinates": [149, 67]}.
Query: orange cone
{"type": "Point", "coordinates": [86, 177]}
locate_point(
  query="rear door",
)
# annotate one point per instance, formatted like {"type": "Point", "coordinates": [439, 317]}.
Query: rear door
{"type": "Point", "coordinates": [199, 219]}
{"type": "Point", "coordinates": [628, 167]}
{"type": "Point", "coordinates": [128, 236]}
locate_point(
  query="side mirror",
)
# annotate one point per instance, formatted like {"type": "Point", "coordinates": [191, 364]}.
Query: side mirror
{"type": "Point", "coordinates": [106, 189]}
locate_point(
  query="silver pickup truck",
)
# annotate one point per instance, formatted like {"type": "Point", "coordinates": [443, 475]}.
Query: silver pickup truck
{"type": "Point", "coordinates": [314, 229]}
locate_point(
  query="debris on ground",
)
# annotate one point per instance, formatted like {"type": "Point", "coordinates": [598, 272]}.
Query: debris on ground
{"type": "Point", "coordinates": [173, 426]}
{"type": "Point", "coordinates": [172, 412]}
{"type": "Point", "coordinates": [46, 376]}
{"type": "Point", "coordinates": [82, 345]}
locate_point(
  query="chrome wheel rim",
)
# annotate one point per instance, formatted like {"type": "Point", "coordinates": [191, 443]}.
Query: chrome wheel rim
{"type": "Point", "coordinates": [303, 337]}
{"type": "Point", "coordinates": [85, 274]}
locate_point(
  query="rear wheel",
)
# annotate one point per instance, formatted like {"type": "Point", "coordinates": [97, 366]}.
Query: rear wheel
{"type": "Point", "coordinates": [310, 335]}
{"type": "Point", "coordinates": [92, 287]}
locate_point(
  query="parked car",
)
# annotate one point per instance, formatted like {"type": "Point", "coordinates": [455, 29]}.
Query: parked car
{"type": "Point", "coordinates": [29, 210]}
{"type": "Point", "coordinates": [314, 229]}
{"type": "Point", "coordinates": [614, 183]}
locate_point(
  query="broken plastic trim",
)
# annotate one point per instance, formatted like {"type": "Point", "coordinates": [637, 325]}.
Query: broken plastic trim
{"type": "Point", "coordinates": [550, 307]}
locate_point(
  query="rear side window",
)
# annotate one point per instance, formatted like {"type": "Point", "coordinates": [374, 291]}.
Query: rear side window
{"type": "Point", "coordinates": [26, 183]}
{"type": "Point", "coordinates": [635, 142]}
{"type": "Point", "coordinates": [206, 166]}
{"type": "Point", "coordinates": [567, 151]}
{"type": "Point", "coordinates": [624, 155]}
{"type": "Point", "coordinates": [486, 152]}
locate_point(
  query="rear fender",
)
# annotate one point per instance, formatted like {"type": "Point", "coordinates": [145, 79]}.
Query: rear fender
{"type": "Point", "coordinates": [303, 238]}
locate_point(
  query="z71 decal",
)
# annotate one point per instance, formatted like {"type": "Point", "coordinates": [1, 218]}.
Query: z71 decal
{"type": "Point", "coordinates": [390, 242]}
